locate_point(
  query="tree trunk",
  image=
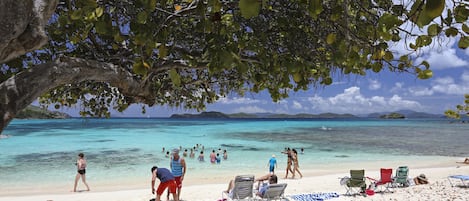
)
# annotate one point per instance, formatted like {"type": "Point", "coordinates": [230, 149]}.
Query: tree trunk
{"type": "Point", "coordinates": [21, 90]}
{"type": "Point", "coordinates": [22, 24]}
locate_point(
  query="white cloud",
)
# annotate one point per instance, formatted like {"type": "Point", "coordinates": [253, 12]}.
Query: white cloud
{"type": "Point", "coordinates": [374, 85]}
{"type": "Point", "coordinates": [442, 59]}
{"type": "Point", "coordinates": [239, 100]}
{"type": "Point", "coordinates": [397, 87]}
{"type": "Point", "coordinates": [443, 85]}
{"type": "Point", "coordinates": [421, 91]}
{"type": "Point", "coordinates": [250, 109]}
{"type": "Point", "coordinates": [297, 105]}
{"type": "Point", "coordinates": [352, 101]}
{"type": "Point", "coordinates": [447, 85]}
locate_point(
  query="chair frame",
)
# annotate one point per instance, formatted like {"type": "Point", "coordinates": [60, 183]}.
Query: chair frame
{"type": "Point", "coordinates": [274, 192]}
{"type": "Point", "coordinates": [243, 188]}
{"type": "Point", "coordinates": [385, 181]}
{"type": "Point", "coordinates": [355, 182]}
{"type": "Point", "coordinates": [463, 178]}
{"type": "Point", "coordinates": [400, 180]}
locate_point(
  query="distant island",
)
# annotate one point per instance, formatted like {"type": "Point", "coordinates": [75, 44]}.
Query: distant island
{"type": "Point", "coordinates": [393, 115]}
{"type": "Point", "coordinates": [214, 114]}
{"type": "Point", "coordinates": [35, 112]}
{"type": "Point", "coordinates": [402, 114]}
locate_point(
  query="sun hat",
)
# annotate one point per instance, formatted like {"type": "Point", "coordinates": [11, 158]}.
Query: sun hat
{"type": "Point", "coordinates": [422, 177]}
{"type": "Point", "coordinates": [175, 151]}
{"type": "Point", "coordinates": [273, 155]}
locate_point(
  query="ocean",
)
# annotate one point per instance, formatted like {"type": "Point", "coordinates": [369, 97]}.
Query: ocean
{"type": "Point", "coordinates": [123, 150]}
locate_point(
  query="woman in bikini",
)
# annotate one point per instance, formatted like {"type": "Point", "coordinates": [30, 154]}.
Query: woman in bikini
{"type": "Point", "coordinates": [81, 171]}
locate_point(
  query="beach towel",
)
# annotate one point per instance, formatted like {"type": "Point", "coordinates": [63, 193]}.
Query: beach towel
{"type": "Point", "coordinates": [314, 196]}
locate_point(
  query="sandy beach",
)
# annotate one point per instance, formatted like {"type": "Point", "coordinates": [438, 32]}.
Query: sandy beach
{"type": "Point", "coordinates": [314, 181]}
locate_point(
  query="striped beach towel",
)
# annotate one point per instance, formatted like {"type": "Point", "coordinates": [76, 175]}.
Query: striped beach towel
{"type": "Point", "coordinates": [314, 196]}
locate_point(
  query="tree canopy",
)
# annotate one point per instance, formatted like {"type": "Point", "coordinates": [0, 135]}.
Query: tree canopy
{"type": "Point", "coordinates": [188, 53]}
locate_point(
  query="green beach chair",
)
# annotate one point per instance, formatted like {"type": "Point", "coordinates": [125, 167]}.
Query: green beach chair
{"type": "Point", "coordinates": [400, 180]}
{"type": "Point", "coordinates": [356, 184]}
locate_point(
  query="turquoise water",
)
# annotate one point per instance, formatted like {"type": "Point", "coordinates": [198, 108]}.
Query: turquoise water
{"type": "Point", "coordinates": [125, 149]}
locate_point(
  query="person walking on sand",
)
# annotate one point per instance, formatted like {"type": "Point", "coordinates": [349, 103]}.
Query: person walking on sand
{"type": "Point", "coordinates": [288, 152]}
{"type": "Point", "coordinates": [296, 167]}
{"type": "Point", "coordinates": [166, 181]}
{"type": "Point", "coordinates": [272, 164]}
{"type": "Point", "coordinates": [178, 169]}
{"type": "Point", "coordinates": [81, 172]}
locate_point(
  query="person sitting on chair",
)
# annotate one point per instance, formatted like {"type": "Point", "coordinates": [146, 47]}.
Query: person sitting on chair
{"type": "Point", "coordinates": [262, 188]}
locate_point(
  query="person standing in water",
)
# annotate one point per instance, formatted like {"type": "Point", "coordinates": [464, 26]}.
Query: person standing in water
{"type": "Point", "coordinates": [289, 153]}
{"type": "Point", "coordinates": [296, 166]}
{"type": "Point", "coordinates": [81, 172]}
{"type": "Point", "coordinates": [272, 164]}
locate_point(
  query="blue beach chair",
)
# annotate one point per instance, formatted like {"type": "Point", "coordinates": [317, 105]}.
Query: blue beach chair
{"type": "Point", "coordinates": [463, 178]}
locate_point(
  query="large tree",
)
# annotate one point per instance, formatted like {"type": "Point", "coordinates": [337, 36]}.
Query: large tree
{"type": "Point", "coordinates": [107, 54]}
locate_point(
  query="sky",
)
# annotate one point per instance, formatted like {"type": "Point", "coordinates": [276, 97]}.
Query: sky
{"type": "Point", "coordinates": [359, 95]}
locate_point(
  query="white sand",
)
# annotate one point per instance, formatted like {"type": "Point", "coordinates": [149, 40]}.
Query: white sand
{"type": "Point", "coordinates": [315, 181]}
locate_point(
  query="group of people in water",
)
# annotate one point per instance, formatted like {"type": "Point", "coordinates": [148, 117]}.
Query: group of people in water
{"type": "Point", "coordinates": [215, 156]}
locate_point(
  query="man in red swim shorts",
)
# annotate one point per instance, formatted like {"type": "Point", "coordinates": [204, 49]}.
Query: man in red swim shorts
{"type": "Point", "coordinates": [166, 181]}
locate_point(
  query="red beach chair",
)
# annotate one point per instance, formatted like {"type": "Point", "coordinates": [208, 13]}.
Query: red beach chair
{"type": "Point", "coordinates": [385, 181]}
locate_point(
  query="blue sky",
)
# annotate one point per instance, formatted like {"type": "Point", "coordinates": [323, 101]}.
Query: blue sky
{"type": "Point", "coordinates": [375, 92]}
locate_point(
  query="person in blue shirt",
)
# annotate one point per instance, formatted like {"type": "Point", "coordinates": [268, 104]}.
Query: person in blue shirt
{"type": "Point", "coordinates": [166, 181]}
{"type": "Point", "coordinates": [262, 188]}
{"type": "Point", "coordinates": [272, 164]}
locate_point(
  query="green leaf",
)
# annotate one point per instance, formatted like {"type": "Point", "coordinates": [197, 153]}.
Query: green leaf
{"type": "Point", "coordinates": [99, 11]}
{"type": "Point", "coordinates": [451, 31]}
{"type": "Point", "coordinates": [175, 78]}
{"type": "Point", "coordinates": [426, 64]}
{"type": "Point", "coordinates": [142, 17]}
{"type": "Point", "coordinates": [463, 42]}
{"type": "Point", "coordinates": [388, 56]}
{"type": "Point", "coordinates": [162, 51]}
{"type": "Point", "coordinates": [140, 68]}
{"type": "Point", "coordinates": [249, 8]}
{"type": "Point", "coordinates": [433, 30]}
{"type": "Point", "coordinates": [315, 8]}
{"type": "Point", "coordinates": [465, 28]}
{"type": "Point", "coordinates": [434, 8]}
{"type": "Point", "coordinates": [331, 38]}
{"type": "Point", "coordinates": [425, 74]}
{"type": "Point", "coordinates": [76, 14]}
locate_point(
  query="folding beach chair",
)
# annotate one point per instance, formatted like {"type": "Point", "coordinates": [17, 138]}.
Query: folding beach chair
{"type": "Point", "coordinates": [274, 192]}
{"type": "Point", "coordinates": [463, 178]}
{"type": "Point", "coordinates": [385, 181]}
{"type": "Point", "coordinates": [243, 188]}
{"type": "Point", "coordinates": [357, 180]}
{"type": "Point", "coordinates": [400, 180]}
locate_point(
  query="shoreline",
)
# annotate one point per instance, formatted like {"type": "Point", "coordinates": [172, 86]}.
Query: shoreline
{"type": "Point", "coordinates": [314, 180]}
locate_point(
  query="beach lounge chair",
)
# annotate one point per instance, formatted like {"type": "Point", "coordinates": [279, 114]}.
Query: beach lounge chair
{"type": "Point", "coordinates": [356, 184]}
{"type": "Point", "coordinates": [274, 192]}
{"type": "Point", "coordinates": [243, 188]}
{"type": "Point", "coordinates": [400, 180]}
{"type": "Point", "coordinates": [463, 178]}
{"type": "Point", "coordinates": [385, 181]}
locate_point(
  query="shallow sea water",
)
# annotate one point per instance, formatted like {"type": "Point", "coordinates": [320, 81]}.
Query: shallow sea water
{"type": "Point", "coordinates": [122, 150]}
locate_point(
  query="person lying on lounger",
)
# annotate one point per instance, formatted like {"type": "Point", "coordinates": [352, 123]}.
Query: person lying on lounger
{"type": "Point", "coordinates": [466, 161]}
{"type": "Point", "coordinates": [421, 179]}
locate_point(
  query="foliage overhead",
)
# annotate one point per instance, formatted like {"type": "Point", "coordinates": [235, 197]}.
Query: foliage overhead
{"type": "Point", "coordinates": [191, 52]}
{"type": "Point", "coordinates": [460, 109]}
